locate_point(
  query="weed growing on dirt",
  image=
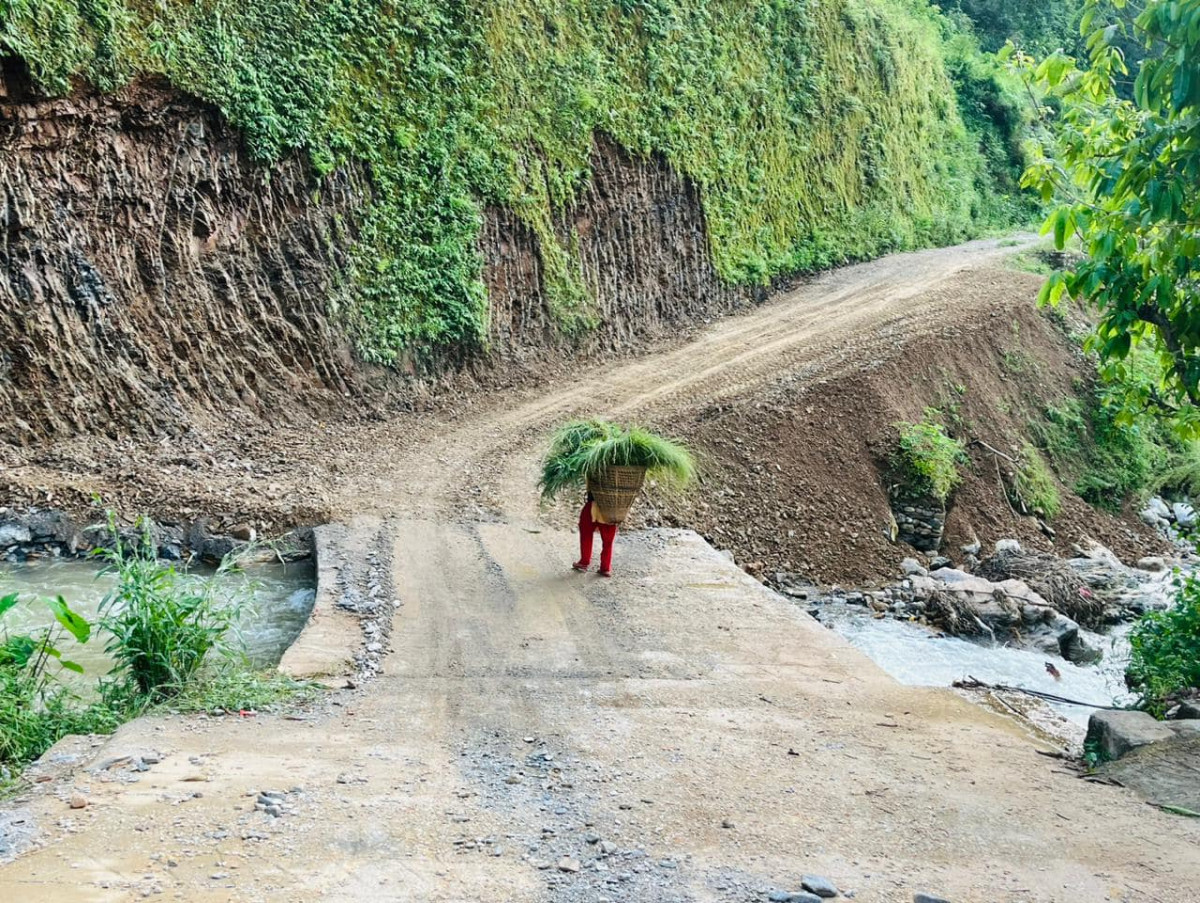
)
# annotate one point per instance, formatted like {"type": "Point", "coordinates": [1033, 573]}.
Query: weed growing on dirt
{"type": "Point", "coordinates": [234, 689]}
{"type": "Point", "coordinates": [162, 624]}
{"type": "Point", "coordinates": [36, 707]}
{"type": "Point", "coordinates": [928, 460]}
{"type": "Point", "coordinates": [1165, 659]}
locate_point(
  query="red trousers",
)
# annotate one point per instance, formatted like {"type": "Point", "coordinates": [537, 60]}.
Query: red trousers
{"type": "Point", "coordinates": [587, 529]}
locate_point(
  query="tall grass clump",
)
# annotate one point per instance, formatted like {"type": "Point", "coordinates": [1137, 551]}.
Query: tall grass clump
{"type": "Point", "coordinates": [586, 448]}
{"type": "Point", "coordinates": [162, 624]}
{"type": "Point", "coordinates": [926, 459]}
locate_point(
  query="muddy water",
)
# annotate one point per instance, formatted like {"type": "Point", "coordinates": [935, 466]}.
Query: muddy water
{"type": "Point", "coordinates": [916, 656]}
{"type": "Point", "coordinates": [276, 600]}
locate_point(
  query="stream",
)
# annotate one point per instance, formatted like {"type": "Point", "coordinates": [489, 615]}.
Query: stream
{"type": "Point", "coordinates": [276, 600]}
{"type": "Point", "coordinates": [918, 656]}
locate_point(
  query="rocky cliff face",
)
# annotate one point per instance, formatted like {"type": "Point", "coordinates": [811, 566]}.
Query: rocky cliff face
{"type": "Point", "coordinates": [153, 277]}
{"type": "Point", "coordinates": [643, 250]}
{"type": "Point", "coordinates": [150, 274]}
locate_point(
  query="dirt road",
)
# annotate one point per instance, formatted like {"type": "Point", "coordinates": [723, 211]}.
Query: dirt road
{"type": "Point", "coordinates": [835, 324]}
{"type": "Point", "coordinates": [679, 733]}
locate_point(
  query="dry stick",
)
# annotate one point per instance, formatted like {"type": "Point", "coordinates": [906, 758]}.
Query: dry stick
{"type": "Point", "coordinates": [999, 479]}
{"type": "Point", "coordinates": [1001, 700]}
{"type": "Point", "coordinates": [973, 683]}
{"type": "Point", "coordinates": [1003, 491]}
{"type": "Point", "coordinates": [994, 451]}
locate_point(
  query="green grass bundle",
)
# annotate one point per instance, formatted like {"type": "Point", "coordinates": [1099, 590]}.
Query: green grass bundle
{"type": "Point", "coordinates": [586, 448]}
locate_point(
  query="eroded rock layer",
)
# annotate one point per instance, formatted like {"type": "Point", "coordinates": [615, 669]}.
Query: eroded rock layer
{"type": "Point", "coordinates": [150, 272]}
{"type": "Point", "coordinates": [642, 246]}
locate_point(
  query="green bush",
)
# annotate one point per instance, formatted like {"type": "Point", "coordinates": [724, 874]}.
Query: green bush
{"type": "Point", "coordinates": [36, 708]}
{"type": "Point", "coordinates": [162, 624]}
{"type": "Point", "coordinates": [1165, 660]}
{"type": "Point", "coordinates": [926, 459]}
{"type": "Point", "coordinates": [168, 637]}
{"type": "Point", "coordinates": [1109, 456]}
{"type": "Point", "coordinates": [1034, 487]}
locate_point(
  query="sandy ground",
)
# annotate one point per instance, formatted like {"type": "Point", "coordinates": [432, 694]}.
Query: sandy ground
{"type": "Point", "coordinates": [678, 733]}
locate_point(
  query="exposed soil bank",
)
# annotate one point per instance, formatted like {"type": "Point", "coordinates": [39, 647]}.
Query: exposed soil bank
{"type": "Point", "coordinates": [151, 276]}
{"type": "Point", "coordinates": [798, 470]}
{"type": "Point", "coordinates": [154, 279]}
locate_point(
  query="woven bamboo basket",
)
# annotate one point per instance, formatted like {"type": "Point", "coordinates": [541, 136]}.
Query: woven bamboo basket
{"type": "Point", "coordinates": [614, 491]}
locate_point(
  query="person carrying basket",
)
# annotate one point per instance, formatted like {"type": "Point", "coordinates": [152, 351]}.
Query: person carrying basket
{"type": "Point", "coordinates": [613, 462]}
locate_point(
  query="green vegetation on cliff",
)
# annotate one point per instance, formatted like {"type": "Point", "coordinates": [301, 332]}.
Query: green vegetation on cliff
{"type": "Point", "coordinates": [817, 131]}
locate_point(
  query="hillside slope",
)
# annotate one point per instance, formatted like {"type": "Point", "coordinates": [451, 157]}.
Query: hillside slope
{"type": "Point", "coordinates": [489, 177]}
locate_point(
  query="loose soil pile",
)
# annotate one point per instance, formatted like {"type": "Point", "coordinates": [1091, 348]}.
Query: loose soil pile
{"type": "Point", "coordinates": [798, 471]}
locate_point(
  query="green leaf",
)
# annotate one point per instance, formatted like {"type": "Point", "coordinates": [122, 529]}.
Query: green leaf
{"type": "Point", "coordinates": [75, 623]}
{"type": "Point", "coordinates": [7, 602]}
{"type": "Point", "coordinates": [18, 650]}
{"type": "Point", "coordinates": [71, 666]}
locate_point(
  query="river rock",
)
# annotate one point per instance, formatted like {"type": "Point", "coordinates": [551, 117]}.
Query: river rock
{"type": "Point", "coordinates": [1007, 546]}
{"type": "Point", "coordinates": [1189, 727]}
{"type": "Point", "coordinates": [911, 567]}
{"type": "Point", "coordinates": [1056, 634]}
{"type": "Point", "coordinates": [1116, 733]}
{"type": "Point", "coordinates": [928, 898]}
{"type": "Point", "coordinates": [14, 534]}
{"type": "Point", "coordinates": [1158, 508]}
{"type": "Point", "coordinates": [822, 887]}
{"type": "Point", "coordinates": [993, 608]}
{"type": "Point", "coordinates": [1185, 514]}
{"type": "Point", "coordinates": [954, 575]}
{"type": "Point", "coordinates": [54, 526]}
{"type": "Point", "coordinates": [1150, 519]}
{"type": "Point", "coordinates": [1188, 710]}
{"type": "Point", "coordinates": [1152, 563]}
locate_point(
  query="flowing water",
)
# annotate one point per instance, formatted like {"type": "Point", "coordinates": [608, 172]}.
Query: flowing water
{"type": "Point", "coordinates": [276, 600]}
{"type": "Point", "coordinates": [917, 656]}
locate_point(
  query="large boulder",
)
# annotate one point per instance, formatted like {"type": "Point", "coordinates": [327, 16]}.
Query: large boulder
{"type": "Point", "coordinates": [1188, 727]}
{"type": "Point", "coordinates": [966, 604]}
{"type": "Point", "coordinates": [54, 526]}
{"type": "Point", "coordinates": [1189, 709]}
{"type": "Point", "coordinates": [1115, 733]}
{"type": "Point", "coordinates": [1162, 773]}
{"type": "Point", "coordinates": [1159, 508]}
